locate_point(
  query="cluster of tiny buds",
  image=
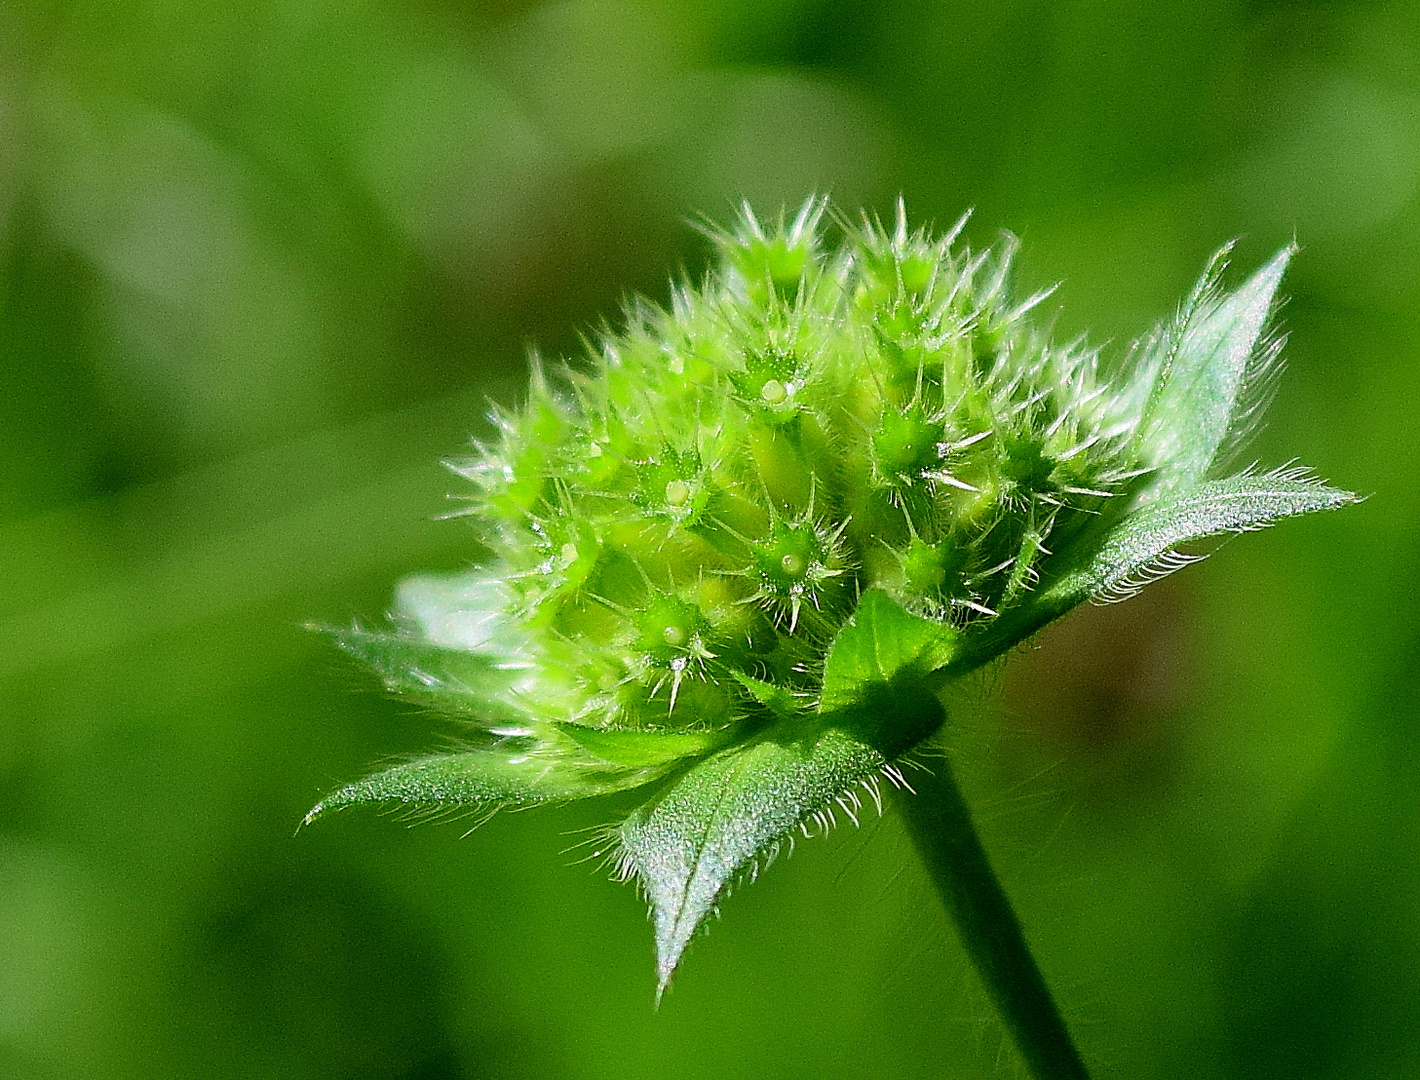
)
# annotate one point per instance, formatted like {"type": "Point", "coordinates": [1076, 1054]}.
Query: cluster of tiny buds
{"type": "Point", "coordinates": [699, 510]}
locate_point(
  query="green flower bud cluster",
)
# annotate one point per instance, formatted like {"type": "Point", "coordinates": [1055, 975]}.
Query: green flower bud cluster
{"type": "Point", "coordinates": [710, 499]}
{"type": "Point", "coordinates": [742, 548]}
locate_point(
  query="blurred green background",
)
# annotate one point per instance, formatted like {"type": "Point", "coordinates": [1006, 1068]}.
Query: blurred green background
{"type": "Point", "coordinates": [265, 263]}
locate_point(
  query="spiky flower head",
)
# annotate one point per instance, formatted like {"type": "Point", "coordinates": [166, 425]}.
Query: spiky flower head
{"type": "Point", "coordinates": [739, 550]}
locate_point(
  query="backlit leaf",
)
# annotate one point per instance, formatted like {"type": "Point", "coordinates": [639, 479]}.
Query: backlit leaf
{"type": "Point", "coordinates": [1202, 369]}
{"type": "Point", "coordinates": [456, 682]}
{"type": "Point", "coordinates": [1238, 504]}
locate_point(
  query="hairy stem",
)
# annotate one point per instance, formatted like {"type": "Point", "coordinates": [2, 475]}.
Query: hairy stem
{"type": "Point", "coordinates": [940, 825]}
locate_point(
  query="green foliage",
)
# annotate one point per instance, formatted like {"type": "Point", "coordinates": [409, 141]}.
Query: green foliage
{"type": "Point", "coordinates": [881, 643]}
{"type": "Point", "coordinates": [740, 550]}
{"type": "Point", "coordinates": [1205, 372]}
{"type": "Point", "coordinates": [1143, 544]}
{"type": "Point", "coordinates": [729, 815]}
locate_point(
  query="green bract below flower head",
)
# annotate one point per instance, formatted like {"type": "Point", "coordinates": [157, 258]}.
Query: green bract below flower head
{"type": "Point", "coordinates": [739, 551]}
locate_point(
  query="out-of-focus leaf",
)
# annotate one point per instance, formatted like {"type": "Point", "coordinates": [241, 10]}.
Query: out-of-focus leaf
{"type": "Point", "coordinates": [459, 611]}
{"type": "Point", "coordinates": [454, 681]}
{"type": "Point", "coordinates": [1201, 369]}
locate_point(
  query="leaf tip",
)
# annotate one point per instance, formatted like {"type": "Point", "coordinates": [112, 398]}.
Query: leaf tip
{"type": "Point", "coordinates": [314, 812]}
{"type": "Point", "coordinates": [671, 943]}
{"type": "Point", "coordinates": [665, 971]}
{"type": "Point", "coordinates": [1261, 288]}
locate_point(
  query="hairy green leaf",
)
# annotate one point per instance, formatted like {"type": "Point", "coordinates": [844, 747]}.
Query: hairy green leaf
{"type": "Point", "coordinates": [1202, 369]}
{"type": "Point", "coordinates": [489, 778]}
{"type": "Point", "coordinates": [879, 644]}
{"type": "Point", "coordinates": [778, 700]}
{"type": "Point", "coordinates": [1131, 552]}
{"type": "Point", "coordinates": [728, 815]}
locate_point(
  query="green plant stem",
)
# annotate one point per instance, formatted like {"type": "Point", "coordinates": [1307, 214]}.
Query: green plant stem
{"type": "Point", "coordinates": [940, 825]}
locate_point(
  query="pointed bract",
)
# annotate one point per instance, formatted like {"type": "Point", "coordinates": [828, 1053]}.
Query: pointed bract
{"type": "Point", "coordinates": [484, 778]}
{"type": "Point", "coordinates": [1203, 371]}
{"type": "Point", "coordinates": [1243, 503]}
